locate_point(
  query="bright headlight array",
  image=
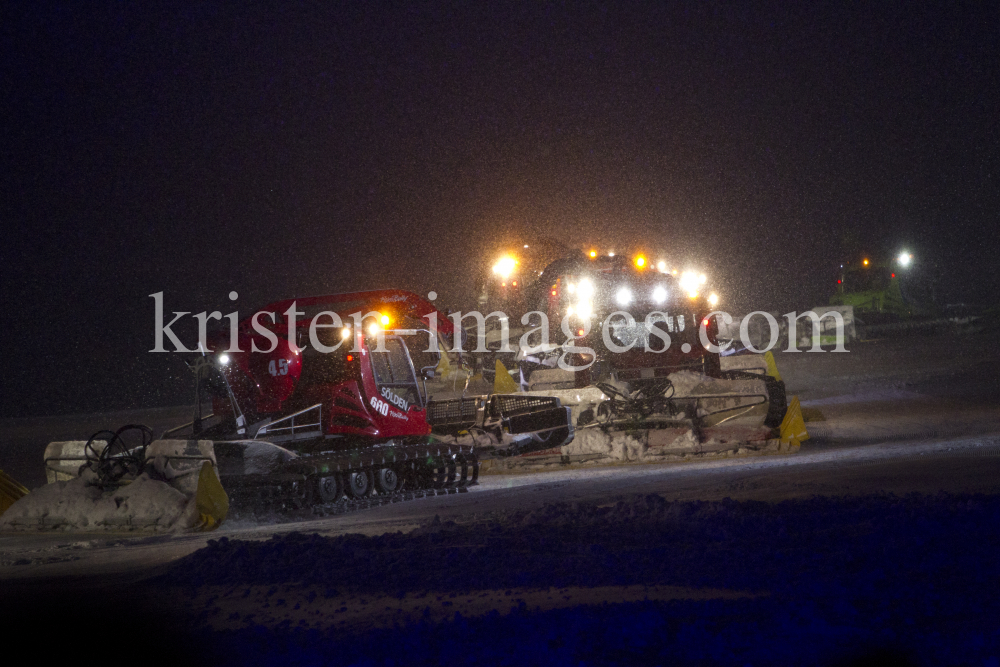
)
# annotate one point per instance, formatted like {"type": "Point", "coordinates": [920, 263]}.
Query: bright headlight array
{"type": "Point", "coordinates": [691, 282]}
{"type": "Point", "coordinates": [583, 291]}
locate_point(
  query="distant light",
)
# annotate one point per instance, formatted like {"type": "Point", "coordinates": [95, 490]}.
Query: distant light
{"type": "Point", "coordinates": [623, 296]}
{"type": "Point", "coordinates": [593, 254]}
{"type": "Point", "coordinates": [866, 262]}
{"type": "Point", "coordinates": [640, 262]}
{"type": "Point", "coordinates": [586, 288]}
{"type": "Point", "coordinates": [904, 259]}
{"type": "Point", "coordinates": [514, 284]}
{"type": "Point", "coordinates": [894, 275]}
{"type": "Point", "coordinates": [374, 329]}
{"type": "Point", "coordinates": [385, 320]}
{"type": "Point", "coordinates": [704, 322]}
{"type": "Point", "coordinates": [579, 332]}
{"type": "Point", "coordinates": [702, 279]}
{"type": "Point", "coordinates": [345, 332]}
{"type": "Point", "coordinates": [713, 299]}
{"type": "Point", "coordinates": [611, 254]}
{"type": "Point", "coordinates": [525, 245]}
{"type": "Point", "coordinates": [839, 281]}
{"type": "Point", "coordinates": [224, 359]}
{"type": "Point", "coordinates": [350, 357]}
{"type": "Point", "coordinates": [661, 267]}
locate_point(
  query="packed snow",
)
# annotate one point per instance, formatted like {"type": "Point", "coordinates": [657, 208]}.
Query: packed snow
{"type": "Point", "coordinates": [80, 504]}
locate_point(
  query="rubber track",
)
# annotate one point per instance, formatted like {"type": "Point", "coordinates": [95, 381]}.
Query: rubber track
{"type": "Point", "coordinates": [346, 505]}
{"type": "Point", "coordinates": [284, 510]}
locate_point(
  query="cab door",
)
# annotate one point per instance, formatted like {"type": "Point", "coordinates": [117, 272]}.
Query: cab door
{"type": "Point", "coordinates": [395, 377]}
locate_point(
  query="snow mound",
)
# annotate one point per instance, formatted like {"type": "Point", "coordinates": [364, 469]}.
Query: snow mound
{"type": "Point", "coordinates": [79, 504]}
{"type": "Point", "coordinates": [618, 446]}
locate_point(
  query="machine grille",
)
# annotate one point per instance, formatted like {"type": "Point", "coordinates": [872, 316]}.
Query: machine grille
{"type": "Point", "coordinates": [506, 405]}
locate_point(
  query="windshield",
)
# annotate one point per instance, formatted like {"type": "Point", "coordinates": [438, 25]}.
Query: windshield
{"type": "Point", "coordinates": [394, 370]}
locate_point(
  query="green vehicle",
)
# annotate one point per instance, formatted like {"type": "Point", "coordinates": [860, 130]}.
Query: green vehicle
{"type": "Point", "coordinates": [878, 290]}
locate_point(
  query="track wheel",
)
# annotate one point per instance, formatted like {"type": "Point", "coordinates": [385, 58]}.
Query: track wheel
{"type": "Point", "coordinates": [474, 479]}
{"type": "Point", "coordinates": [359, 483]}
{"type": "Point", "coordinates": [302, 494]}
{"type": "Point", "coordinates": [440, 476]}
{"type": "Point", "coordinates": [387, 480]}
{"type": "Point", "coordinates": [329, 488]}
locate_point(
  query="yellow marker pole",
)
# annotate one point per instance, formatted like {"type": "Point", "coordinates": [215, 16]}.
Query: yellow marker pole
{"type": "Point", "coordinates": [793, 426]}
{"type": "Point", "coordinates": [772, 368]}
{"type": "Point", "coordinates": [504, 383]}
{"type": "Point", "coordinates": [10, 491]}
{"type": "Point", "coordinates": [444, 365]}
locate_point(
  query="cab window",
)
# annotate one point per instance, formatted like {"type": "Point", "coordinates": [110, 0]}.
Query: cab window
{"type": "Point", "coordinates": [394, 371]}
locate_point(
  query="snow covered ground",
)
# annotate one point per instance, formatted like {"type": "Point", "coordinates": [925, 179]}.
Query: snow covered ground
{"type": "Point", "coordinates": [821, 557]}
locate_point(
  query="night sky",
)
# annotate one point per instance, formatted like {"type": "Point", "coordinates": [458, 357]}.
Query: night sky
{"type": "Point", "coordinates": [287, 151]}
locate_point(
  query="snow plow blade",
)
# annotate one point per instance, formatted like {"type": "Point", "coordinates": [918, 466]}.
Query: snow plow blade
{"type": "Point", "coordinates": [10, 491]}
{"type": "Point", "coordinates": [175, 489]}
{"type": "Point", "coordinates": [210, 499]}
{"type": "Point", "coordinates": [681, 416]}
{"type": "Point", "coordinates": [503, 424]}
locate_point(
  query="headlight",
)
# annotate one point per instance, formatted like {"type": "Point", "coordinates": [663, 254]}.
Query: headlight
{"type": "Point", "coordinates": [713, 299]}
{"type": "Point", "coordinates": [223, 359]}
{"type": "Point", "coordinates": [623, 296]}
{"type": "Point", "coordinates": [659, 294]}
{"type": "Point", "coordinates": [689, 283]}
{"type": "Point", "coordinates": [584, 309]}
{"type": "Point", "coordinates": [505, 266]}
{"type": "Point", "coordinates": [586, 288]}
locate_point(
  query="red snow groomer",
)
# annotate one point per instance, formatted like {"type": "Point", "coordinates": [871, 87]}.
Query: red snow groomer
{"type": "Point", "coordinates": [325, 396]}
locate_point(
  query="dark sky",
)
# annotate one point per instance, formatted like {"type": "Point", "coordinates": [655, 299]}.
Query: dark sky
{"type": "Point", "coordinates": [282, 151]}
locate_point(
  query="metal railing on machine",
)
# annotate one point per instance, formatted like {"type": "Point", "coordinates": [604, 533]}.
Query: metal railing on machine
{"type": "Point", "coordinates": [286, 428]}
